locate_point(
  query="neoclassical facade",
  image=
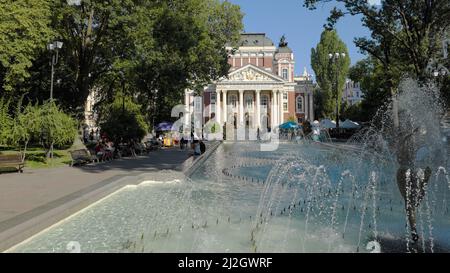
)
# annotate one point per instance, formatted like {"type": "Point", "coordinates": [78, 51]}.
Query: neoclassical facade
{"type": "Point", "coordinates": [260, 91]}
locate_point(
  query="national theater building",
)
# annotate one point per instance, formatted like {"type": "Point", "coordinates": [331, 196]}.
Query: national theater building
{"type": "Point", "coordinates": [260, 92]}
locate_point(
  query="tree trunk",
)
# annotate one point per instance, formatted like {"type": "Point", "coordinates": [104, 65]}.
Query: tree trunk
{"type": "Point", "coordinates": [49, 151]}
{"type": "Point", "coordinates": [24, 150]}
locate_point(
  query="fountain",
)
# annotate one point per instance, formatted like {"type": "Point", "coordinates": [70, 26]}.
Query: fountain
{"type": "Point", "coordinates": [409, 131]}
{"type": "Point", "coordinates": [388, 196]}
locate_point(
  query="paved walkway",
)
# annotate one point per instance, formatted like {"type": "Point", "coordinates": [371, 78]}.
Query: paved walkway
{"type": "Point", "coordinates": [21, 193]}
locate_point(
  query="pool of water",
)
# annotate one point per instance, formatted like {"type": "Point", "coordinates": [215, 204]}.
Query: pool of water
{"type": "Point", "coordinates": [298, 198]}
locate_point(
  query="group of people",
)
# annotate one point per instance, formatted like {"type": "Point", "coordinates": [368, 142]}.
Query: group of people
{"type": "Point", "coordinates": [197, 145]}
{"type": "Point", "coordinates": [290, 134]}
{"type": "Point", "coordinates": [104, 150]}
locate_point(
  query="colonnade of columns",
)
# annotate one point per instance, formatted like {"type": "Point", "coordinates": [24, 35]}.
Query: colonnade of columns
{"type": "Point", "coordinates": [224, 109]}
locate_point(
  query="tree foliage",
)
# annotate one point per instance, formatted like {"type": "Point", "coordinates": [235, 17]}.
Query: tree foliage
{"type": "Point", "coordinates": [5, 121]}
{"type": "Point", "coordinates": [24, 32]}
{"type": "Point", "coordinates": [186, 48]}
{"type": "Point", "coordinates": [43, 124]}
{"type": "Point", "coordinates": [352, 112]}
{"type": "Point", "coordinates": [155, 48]}
{"type": "Point", "coordinates": [55, 127]}
{"type": "Point", "coordinates": [405, 34]}
{"type": "Point", "coordinates": [371, 75]}
{"type": "Point", "coordinates": [328, 71]}
{"type": "Point", "coordinates": [122, 120]}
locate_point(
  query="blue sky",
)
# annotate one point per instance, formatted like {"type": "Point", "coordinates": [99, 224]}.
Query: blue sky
{"type": "Point", "coordinates": [301, 26]}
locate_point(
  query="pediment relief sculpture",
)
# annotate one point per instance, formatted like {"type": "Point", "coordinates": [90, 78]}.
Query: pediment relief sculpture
{"type": "Point", "coordinates": [249, 75]}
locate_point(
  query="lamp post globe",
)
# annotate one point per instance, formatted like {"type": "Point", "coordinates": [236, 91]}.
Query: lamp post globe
{"type": "Point", "coordinates": [334, 57]}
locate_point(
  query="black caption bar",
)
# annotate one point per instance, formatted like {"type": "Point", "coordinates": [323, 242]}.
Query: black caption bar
{"type": "Point", "coordinates": [218, 262]}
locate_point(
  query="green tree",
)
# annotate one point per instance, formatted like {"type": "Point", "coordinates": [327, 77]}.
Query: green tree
{"type": "Point", "coordinates": [45, 124]}
{"type": "Point", "coordinates": [56, 127]}
{"type": "Point", "coordinates": [186, 49]}
{"type": "Point", "coordinates": [24, 32]}
{"type": "Point", "coordinates": [150, 49]}
{"type": "Point", "coordinates": [330, 71]}
{"type": "Point", "coordinates": [352, 112]}
{"type": "Point", "coordinates": [93, 37]}
{"type": "Point", "coordinates": [122, 120]}
{"type": "Point", "coordinates": [405, 34]}
{"type": "Point", "coordinates": [371, 75]}
{"type": "Point", "coordinates": [25, 126]}
{"type": "Point", "coordinates": [5, 121]}
{"type": "Point", "coordinates": [318, 103]}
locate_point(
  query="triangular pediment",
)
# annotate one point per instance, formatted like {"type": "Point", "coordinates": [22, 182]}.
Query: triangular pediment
{"type": "Point", "coordinates": [252, 73]}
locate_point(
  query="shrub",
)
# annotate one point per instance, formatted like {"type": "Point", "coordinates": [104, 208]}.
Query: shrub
{"type": "Point", "coordinates": [5, 122]}
{"type": "Point", "coordinates": [122, 120]}
{"type": "Point", "coordinates": [44, 124]}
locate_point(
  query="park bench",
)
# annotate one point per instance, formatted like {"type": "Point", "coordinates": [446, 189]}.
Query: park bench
{"type": "Point", "coordinates": [82, 156]}
{"type": "Point", "coordinates": [12, 160]}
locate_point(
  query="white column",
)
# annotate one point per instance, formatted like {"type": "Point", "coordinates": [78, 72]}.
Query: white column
{"type": "Point", "coordinates": [241, 106]}
{"type": "Point", "coordinates": [306, 106]}
{"type": "Point", "coordinates": [280, 105]}
{"type": "Point", "coordinates": [258, 109]}
{"type": "Point", "coordinates": [272, 125]}
{"type": "Point", "coordinates": [218, 108]}
{"type": "Point", "coordinates": [186, 103]}
{"type": "Point", "coordinates": [225, 106]}
{"type": "Point", "coordinates": [311, 107]}
{"type": "Point", "coordinates": [277, 107]}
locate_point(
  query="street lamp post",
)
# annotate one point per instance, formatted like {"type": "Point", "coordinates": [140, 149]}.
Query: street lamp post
{"type": "Point", "coordinates": [334, 58]}
{"type": "Point", "coordinates": [54, 48]}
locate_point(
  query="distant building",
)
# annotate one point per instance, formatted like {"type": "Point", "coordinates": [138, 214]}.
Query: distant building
{"type": "Point", "coordinates": [305, 87]}
{"type": "Point", "coordinates": [260, 91]}
{"type": "Point", "coordinates": [352, 92]}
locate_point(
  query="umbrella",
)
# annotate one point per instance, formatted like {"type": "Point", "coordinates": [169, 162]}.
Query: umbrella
{"type": "Point", "coordinates": [326, 123]}
{"type": "Point", "coordinates": [348, 124]}
{"type": "Point", "coordinates": [289, 125]}
{"type": "Point", "coordinates": [164, 126]}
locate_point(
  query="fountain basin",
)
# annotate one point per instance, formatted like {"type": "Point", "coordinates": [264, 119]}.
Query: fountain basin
{"type": "Point", "coordinates": [298, 198]}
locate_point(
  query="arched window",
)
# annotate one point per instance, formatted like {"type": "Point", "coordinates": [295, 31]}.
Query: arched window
{"type": "Point", "coordinates": [285, 74]}
{"type": "Point", "coordinates": [249, 102]}
{"type": "Point", "coordinates": [299, 104]}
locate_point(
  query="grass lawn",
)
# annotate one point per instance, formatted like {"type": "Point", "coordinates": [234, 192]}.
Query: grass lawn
{"type": "Point", "coordinates": [35, 158]}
